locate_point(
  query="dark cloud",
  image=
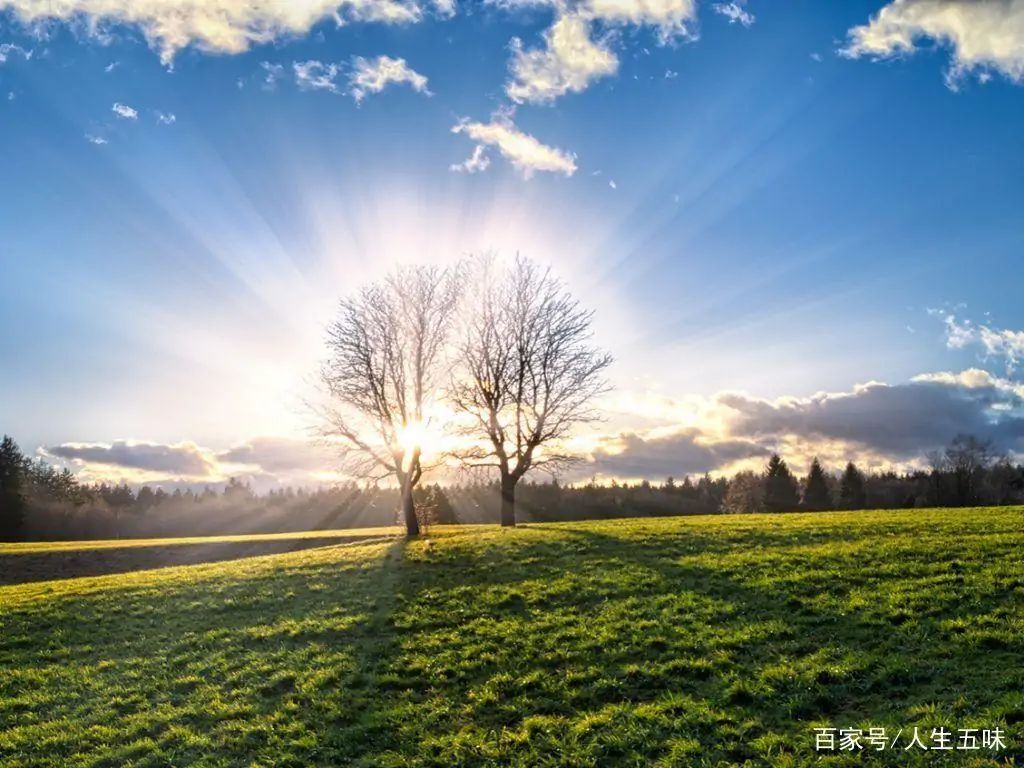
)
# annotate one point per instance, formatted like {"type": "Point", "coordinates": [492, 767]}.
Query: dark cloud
{"type": "Point", "coordinates": [900, 421]}
{"type": "Point", "coordinates": [678, 454]}
{"type": "Point", "coordinates": [182, 459]}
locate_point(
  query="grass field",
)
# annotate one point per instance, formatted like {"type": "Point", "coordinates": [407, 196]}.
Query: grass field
{"type": "Point", "coordinates": [683, 641]}
{"type": "Point", "coordinates": [42, 561]}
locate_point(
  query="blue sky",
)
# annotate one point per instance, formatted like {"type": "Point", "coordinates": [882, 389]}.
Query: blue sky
{"type": "Point", "coordinates": [773, 200]}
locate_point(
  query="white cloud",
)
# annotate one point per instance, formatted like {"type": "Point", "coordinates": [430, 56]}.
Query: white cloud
{"type": "Point", "coordinates": [217, 26]}
{"type": "Point", "coordinates": [111, 66]}
{"type": "Point", "coordinates": [984, 35]}
{"type": "Point", "coordinates": [735, 13]}
{"type": "Point", "coordinates": [124, 111]}
{"type": "Point", "coordinates": [999, 343]}
{"type": "Point", "coordinates": [478, 161]}
{"type": "Point", "coordinates": [526, 153]}
{"type": "Point", "coordinates": [315, 75]}
{"type": "Point", "coordinates": [612, 184]}
{"type": "Point", "coordinates": [166, 118]}
{"type": "Point", "coordinates": [569, 61]}
{"type": "Point", "coordinates": [673, 18]}
{"type": "Point", "coordinates": [94, 139]}
{"type": "Point", "coordinates": [445, 8]}
{"type": "Point", "coordinates": [374, 75]}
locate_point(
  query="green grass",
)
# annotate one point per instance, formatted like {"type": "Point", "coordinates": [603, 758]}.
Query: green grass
{"type": "Point", "coordinates": [685, 641]}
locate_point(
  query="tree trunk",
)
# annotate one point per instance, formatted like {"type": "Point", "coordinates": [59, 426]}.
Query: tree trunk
{"type": "Point", "coordinates": [508, 501]}
{"type": "Point", "coordinates": [412, 525]}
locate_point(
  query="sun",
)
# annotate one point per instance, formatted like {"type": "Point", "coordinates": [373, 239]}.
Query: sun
{"type": "Point", "coordinates": [422, 435]}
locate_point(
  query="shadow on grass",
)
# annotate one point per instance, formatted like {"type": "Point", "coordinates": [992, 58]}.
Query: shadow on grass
{"type": "Point", "coordinates": [18, 568]}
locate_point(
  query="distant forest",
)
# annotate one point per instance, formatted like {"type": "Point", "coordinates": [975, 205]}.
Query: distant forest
{"type": "Point", "coordinates": [38, 502]}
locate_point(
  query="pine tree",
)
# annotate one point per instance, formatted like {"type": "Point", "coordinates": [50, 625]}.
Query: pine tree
{"type": "Point", "coordinates": [817, 496]}
{"type": "Point", "coordinates": [780, 487]}
{"type": "Point", "coordinates": [12, 490]}
{"type": "Point", "coordinates": [852, 492]}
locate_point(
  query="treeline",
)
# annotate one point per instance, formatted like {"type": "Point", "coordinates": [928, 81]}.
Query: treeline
{"type": "Point", "coordinates": [39, 502]}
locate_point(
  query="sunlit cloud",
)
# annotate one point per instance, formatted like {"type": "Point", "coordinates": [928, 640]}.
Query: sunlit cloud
{"type": "Point", "coordinates": [216, 26]}
{"type": "Point", "coordinates": [672, 18]}
{"type": "Point", "coordinates": [876, 425]}
{"type": "Point", "coordinates": [569, 61]}
{"type": "Point", "coordinates": [523, 151]}
{"type": "Point", "coordinates": [374, 75]}
{"type": "Point", "coordinates": [901, 420]}
{"type": "Point", "coordinates": [178, 460]}
{"type": "Point", "coordinates": [984, 35]}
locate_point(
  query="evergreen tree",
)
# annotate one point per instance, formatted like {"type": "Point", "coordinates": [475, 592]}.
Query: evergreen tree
{"type": "Point", "coordinates": [817, 496]}
{"type": "Point", "coordinates": [12, 490]}
{"type": "Point", "coordinates": [780, 487]}
{"type": "Point", "coordinates": [441, 510]}
{"type": "Point", "coordinates": [852, 490]}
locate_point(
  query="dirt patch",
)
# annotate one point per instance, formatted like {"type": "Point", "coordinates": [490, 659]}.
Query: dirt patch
{"type": "Point", "coordinates": [44, 566]}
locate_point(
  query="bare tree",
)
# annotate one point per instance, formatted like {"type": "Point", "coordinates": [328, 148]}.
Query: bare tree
{"type": "Point", "coordinates": [528, 373]}
{"type": "Point", "coordinates": [385, 361]}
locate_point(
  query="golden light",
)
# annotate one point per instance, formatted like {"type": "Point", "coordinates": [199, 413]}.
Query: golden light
{"type": "Point", "coordinates": [421, 435]}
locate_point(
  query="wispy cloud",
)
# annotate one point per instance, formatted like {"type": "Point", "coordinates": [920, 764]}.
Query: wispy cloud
{"type": "Point", "coordinates": [271, 75]}
{"type": "Point", "coordinates": [475, 163]}
{"type": "Point", "coordinates": [166, 118]}
{"type": "Point", "coordinates": [1002, 344]}
{"type": "Point", "coordinates": [374, 75]}
{"type": "Point", "coordinates": [93, 138]}
{"type": "Point", "coordinates": [735, 13]}
{"type": "Point", "coordinates": [7, 50]}
{"type": "Point", "coordinates": [523, 151]}
{"type": "Point", "coordinates": [124, 112]}
{"type": "Point", "coordinates": [315, 75]}
{"type": "Point", "coordinates": [984, 35]}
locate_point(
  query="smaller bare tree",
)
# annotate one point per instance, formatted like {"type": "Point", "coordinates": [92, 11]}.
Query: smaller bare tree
{"type": "Point", "coordinates": [528, 372]}
{"type": "Point", "coordinates": [385, 362]}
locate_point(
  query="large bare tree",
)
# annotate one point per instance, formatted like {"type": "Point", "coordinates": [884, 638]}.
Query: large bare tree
{"type": "Point", "coordinates": [527, 372]}
{"type": "Point", "coordinates": [386, 359]}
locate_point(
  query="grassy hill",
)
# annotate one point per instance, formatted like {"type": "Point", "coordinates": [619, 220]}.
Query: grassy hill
{"type": "Point", "coordinates": [682, 641]}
